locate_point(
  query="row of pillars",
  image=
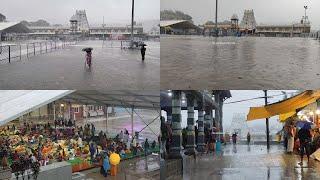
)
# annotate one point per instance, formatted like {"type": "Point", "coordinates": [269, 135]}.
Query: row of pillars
{"type": "Point", "coordinates": [205, 120]}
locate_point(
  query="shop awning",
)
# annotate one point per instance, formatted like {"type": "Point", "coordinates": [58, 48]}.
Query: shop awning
{"type": "Point", "coordinates": [283, 107]}
{"type": "Point", "coordinates": [285, 116]}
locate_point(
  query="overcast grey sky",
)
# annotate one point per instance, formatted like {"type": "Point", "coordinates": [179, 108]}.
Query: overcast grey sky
{"type": "Point", "coordinates": [244, 107]}
{"type": "Point", "coordinates": [266, 11]}
{"type": "Point", "coordinates": [60, 11]}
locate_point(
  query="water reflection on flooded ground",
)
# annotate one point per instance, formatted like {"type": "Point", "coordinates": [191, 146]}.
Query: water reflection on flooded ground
{"type": "Point", "coordinates": [112, 68]}
{"type": "Point", "coordinates": [243, 162]}
{"type": "Point", "coordinates": [134, 169]}
{"type": "Point", "coordinates": [195, 62]}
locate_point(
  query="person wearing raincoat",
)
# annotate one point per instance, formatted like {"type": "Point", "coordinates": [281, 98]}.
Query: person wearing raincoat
{"type": "Point", "coordinates": [106, 166]}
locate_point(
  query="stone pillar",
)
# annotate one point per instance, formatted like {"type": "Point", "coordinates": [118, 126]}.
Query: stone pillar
{"type": "Point", "coordinates": [175, 149]}
{"type": "Point", "coordinates": [107, 116]}
{"type": "Point", "coordinates": [221, 114]}
{"type": "Point", "coordinates": [70, 109]}
{"type": "Point", "coordinates": [54, 110]}
{"type": "Point", "coordinates": [217, 111]}
{"type": "Point", "coordinates": [190, 146]}
{"type": "Point", "coordinates": [211, 117]}
{"type": "Point", "coordinates": [200, 144]}
{"type": "Point", "coordinates": [207, 119]}
{"type": "Point", "coordinates": [169, 115]}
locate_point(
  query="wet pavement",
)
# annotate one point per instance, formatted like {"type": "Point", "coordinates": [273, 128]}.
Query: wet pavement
{"type": "Point", "coordinates": [243, 162]}
{"type": "Point", "coordinates": [112, 68]}
{"type": "Point", "coordinates": [135, 169]}
{"type": "Point", "coordinates": [196, 62]}
{"type": "Point", "coordinates": [123, 120]}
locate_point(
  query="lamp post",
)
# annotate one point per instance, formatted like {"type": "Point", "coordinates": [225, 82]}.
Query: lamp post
{"type": "Point", "coordinates": [132, 22]}
{"type": "Point", "coordinates": [305, 18]}
{"type": "Point", "coordinates": [267, 119]}
{"type": "Point", "coordinates": [216, 26]}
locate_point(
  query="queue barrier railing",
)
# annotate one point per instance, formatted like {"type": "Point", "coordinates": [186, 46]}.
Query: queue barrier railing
{"type": "Point", "coordinates": [10, 52]}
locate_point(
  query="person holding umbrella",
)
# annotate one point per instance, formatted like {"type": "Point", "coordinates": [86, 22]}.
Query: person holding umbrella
{"type": "Point", "coordinates": [88, 50]}
{"type": "Point", "coordinates": [305, 136]}
{"type": "Point", "coordinates": [143, 50]}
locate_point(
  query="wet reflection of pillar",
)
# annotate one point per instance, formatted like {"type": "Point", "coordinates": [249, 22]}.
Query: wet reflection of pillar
{"type": "Point", "coordinates": [190, 146]}
{"type": "Point", "coordinates": [200, 145]}
{"type": "Point", "coordinates": [175, 148]}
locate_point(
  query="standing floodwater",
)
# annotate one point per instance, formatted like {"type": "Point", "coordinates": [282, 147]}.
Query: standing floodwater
{"type": "Point", "coordinates": [196, 62]}
{"type": "Point", "coordinates": [112, 67]}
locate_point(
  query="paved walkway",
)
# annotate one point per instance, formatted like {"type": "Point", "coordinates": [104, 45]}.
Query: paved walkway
{"type": "Point", "coordinates": [243, 162]}
{"type": "Point", "coordinates": [135, 169]}
{"type": "Point", "coordinates": [112, 69]}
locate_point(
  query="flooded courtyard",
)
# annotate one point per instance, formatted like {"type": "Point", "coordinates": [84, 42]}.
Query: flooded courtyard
{"type": "Point", "coordinates": [245, 162]}
{"type": "Point", "coordinates": [196, 62]}
{"type": "Point", "coordinates": [112, 68]}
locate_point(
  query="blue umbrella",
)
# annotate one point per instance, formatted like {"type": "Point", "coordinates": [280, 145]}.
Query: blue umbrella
{"type": "Point", "coordinates": [304, 124]}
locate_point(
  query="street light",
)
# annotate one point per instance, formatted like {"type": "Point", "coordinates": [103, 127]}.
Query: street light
{"type": "Point", "coordinates": [216, 26]}
{"type": "Point", "coordinates": [305, 18]}
{"type": "Point", "coordinates": [132, 22]}
{"type": "Point", "coordinates": [267, 119]}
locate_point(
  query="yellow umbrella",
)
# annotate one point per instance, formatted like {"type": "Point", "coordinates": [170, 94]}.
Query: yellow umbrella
{"type": "Point", "coordinates": [114, 159]}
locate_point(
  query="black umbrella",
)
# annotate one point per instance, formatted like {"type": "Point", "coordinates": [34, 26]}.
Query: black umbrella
{"type": "Point", "coordinates": [143, 44]}
{"type": "Point", "coordinates": [87, 49]}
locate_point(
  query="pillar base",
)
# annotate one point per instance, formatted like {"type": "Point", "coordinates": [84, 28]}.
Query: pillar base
{"type": "Point", "coordinates": [191, 151]}
{"type": "Point", "coordinates": [201, 148]}
{"type": "Point", "coordinates": [175, 155]}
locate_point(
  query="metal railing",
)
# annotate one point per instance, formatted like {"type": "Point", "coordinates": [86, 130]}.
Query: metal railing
{"type": "Point", "coordinates": [10, 52]}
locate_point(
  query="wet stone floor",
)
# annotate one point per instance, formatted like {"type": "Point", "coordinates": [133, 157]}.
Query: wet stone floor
{"type": "Point", "coordinates": [243, 162]}
{"type": "Point", "coordinates": [112, 68]}
{"type": "Point", "coordinates": [135, 169]}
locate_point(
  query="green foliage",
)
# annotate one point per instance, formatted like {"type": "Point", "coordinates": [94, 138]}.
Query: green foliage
{"type": "Point", "coordinates": [209, 23]}
{"type": "Point", "coordinates": [40, 22]}
{"type": "Point", "coordinates": [174, 15]}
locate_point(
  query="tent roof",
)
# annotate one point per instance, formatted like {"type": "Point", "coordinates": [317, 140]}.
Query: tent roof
{"type": "Point", "coordinates": [14, 27]}
{"type": "Point", "coordinates": [136, 99]}
{"type": "Point", "coordinates": [286, 106]}
{"type": "Point", "coordinates": [15, 103]}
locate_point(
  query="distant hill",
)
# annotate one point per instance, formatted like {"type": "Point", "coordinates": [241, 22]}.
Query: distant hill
{"type": "Point", "coordinates": [40, 22]}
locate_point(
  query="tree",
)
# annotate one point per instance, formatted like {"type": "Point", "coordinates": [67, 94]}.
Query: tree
{"type": "Point", "coordinates": [40, 22]}
{"type": "Point", "coordinates": [209, 23]}
{"type": "Point", "coordinates": [174, 15]}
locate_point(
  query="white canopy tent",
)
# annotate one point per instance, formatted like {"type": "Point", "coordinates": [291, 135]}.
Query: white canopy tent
{"type": "Point", "coordinates": [15, 103]}
{"type": "Point", "coordinates": [130, 100]}
{"type": "Point", "coordinates": [13, 27]}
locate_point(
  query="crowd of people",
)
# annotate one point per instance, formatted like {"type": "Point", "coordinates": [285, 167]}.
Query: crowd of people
{"type": "Point", "coordinates": [302, 139]}
{"type": "Point", "coordinates": [63, 140]}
